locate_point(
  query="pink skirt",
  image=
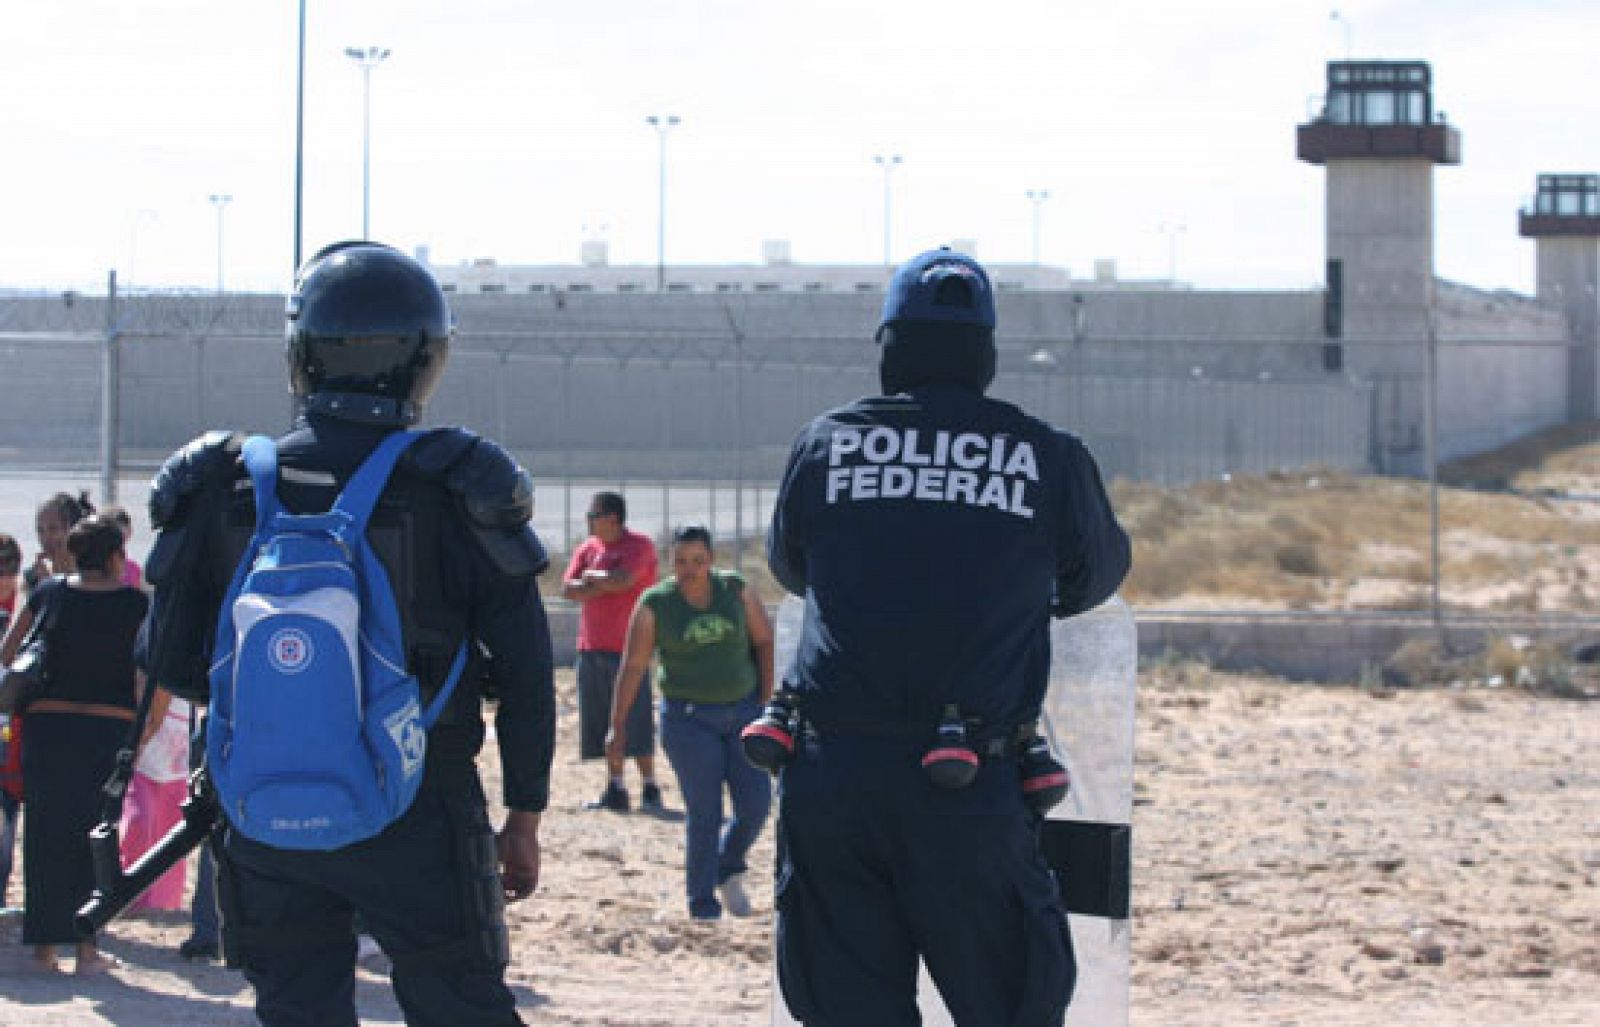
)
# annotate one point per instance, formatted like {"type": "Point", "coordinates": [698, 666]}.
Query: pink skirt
{"type": "Point", "coordinates": [149, 811]}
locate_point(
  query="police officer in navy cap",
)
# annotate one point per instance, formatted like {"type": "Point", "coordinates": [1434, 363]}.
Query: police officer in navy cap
{"type": "Point", "coordinates": [931, 531]}
{"type": "Point", "coordinates": [368, 334]}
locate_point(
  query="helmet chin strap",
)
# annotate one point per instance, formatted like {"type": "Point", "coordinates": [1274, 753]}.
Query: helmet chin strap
{"type": "Point", "coordinates": [363, 409]}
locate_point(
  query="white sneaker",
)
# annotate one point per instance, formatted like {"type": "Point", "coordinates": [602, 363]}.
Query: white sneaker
{"type": "Point", "coordinates": [733, 897]}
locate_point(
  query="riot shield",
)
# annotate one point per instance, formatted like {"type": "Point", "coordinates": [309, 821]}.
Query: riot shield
{"type": "Point", "coordinates": [1089, 719]}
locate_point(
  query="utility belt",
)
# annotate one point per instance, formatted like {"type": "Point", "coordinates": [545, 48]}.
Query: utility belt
{"type": "Point", "coordinates": [989, 742]}
{"type": "Point", "coordinates": [956, 747]}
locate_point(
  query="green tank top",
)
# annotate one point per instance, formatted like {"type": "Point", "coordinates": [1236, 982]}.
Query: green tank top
{"type": "Point", "coordinates": [705, 654]}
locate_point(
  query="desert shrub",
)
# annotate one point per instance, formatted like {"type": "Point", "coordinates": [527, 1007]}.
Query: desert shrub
{"type": "Point", "coordinates": [1540, 665]}
{"type": "Point", "coordinates": [1300, 558]}
{"type": "Point", "coordinates": [1420, 661]}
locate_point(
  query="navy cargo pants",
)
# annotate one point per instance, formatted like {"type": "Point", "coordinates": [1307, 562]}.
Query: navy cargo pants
{"type": "Point", "coordinates": [876, 866]}
{"type": "Point", "coordinates": [428, 890]}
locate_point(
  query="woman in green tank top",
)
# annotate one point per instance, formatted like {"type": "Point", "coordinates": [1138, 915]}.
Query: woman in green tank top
{"type": "Point", "coordinates": [715, 645]}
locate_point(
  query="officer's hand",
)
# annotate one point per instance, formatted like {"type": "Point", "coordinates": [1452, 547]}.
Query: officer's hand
{"type": "Point", "coordinates": [518, 848]}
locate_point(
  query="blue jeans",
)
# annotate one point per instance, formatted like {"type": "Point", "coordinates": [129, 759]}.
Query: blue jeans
{"type": "Point", "coordinates": [8, 839]}
{"type": "Point", "coordinates": [702, 742]}
{"type": "Point", "coordinates": [203, 919]}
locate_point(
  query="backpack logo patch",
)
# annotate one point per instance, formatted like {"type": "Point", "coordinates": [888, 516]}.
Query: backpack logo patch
{"type": "Point", "coordinates": [290, 651]}
{"type": "Point", "coordinates": [405, 728]}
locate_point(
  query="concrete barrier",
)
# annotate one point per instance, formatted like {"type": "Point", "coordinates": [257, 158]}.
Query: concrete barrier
{"type": "Point", "coordinates": [1333, 646]}
{"type": "Point", "coordinates": [1304, 646]}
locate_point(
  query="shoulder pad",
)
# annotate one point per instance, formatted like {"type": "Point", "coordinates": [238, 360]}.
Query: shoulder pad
{"type": "Point", "coordinates": [203, 462]}
{"type": "Point", "coordinates": [495, 492]}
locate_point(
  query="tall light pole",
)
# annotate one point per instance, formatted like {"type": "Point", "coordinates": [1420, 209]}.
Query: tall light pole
{"type": "Point", "coordinates": [1037, 197]}
{"type": "Point", "coordinates": [220, 201]}
{"type": "Point", "coordinates": [887, 162]}
{"type": "Point", "coordinates": [368, 57]}
{"type": "Point", "coordinates": [662, 123]}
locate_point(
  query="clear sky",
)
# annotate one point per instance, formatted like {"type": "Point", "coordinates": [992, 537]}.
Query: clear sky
{"type": "Point", "coordinates": [515, 129]}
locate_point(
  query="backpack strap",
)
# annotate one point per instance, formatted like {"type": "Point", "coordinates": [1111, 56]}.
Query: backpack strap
{"type": "Point", "coordinates": [430, 716]}
{"type": "Point", "coordinates": [361, 493]}
{"type": "Point", "coordinates": [357, 501]}
{"type": "Point", "coordinates": [261, 460]}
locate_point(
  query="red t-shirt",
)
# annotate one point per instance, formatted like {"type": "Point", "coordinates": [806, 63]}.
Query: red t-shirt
{"type": "Point", "coordinates": [603, 619]}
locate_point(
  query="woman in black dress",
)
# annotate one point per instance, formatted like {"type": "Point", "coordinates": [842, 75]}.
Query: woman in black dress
{"type": "Point", "coordinates": [74, 731]}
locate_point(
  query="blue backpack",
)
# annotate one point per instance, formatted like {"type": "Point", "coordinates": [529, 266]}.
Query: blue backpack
{"type": "Point", "coordinates": [316, 735]}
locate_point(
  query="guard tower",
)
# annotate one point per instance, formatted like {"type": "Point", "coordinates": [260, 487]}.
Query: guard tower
{"type": "Point", "coordinates": [1379, 138]}
{"type": "Point", "coordinates": [1564, 221]}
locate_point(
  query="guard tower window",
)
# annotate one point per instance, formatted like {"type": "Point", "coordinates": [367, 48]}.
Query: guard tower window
{"type": "Point", "coordinates": [1570, 195]}
{"type": "Point", "coordinates": [1378, 93]}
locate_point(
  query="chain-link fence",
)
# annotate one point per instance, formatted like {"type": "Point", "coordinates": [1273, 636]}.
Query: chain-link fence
{"type": "Point", "coordinates": [1256, 465]}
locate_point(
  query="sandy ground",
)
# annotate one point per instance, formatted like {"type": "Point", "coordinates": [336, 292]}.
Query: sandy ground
{"type": "Point", "coordinates": [1305, 855]}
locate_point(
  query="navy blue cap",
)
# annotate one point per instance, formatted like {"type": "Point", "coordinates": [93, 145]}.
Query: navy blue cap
{"type": "Point", "coordinates": [915, 293]}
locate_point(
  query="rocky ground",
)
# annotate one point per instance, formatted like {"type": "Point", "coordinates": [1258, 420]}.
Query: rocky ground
{"type": "Point", "coordinates": [1325, 855]}
{"type": "Point", "coordinates": [1305, 855]}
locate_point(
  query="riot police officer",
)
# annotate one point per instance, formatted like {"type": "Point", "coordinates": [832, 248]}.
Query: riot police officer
{"type": "Point", "coordinates": [368, 333]}
{"type": "Point", "coordinates": [928, 529]}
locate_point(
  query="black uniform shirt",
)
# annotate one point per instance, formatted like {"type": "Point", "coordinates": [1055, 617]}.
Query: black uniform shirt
{"type": "Point", "coordinates": [446, 586]}
{"type": "Point", "coordinates": [927, 532]}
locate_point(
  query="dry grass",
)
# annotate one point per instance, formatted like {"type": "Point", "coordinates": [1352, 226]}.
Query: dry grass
{"type": "Point", "coordinates": [1325, 539]}
{"type": "Point", "coordinates": [1564, 458]}
{"type": "Point", "coordinates": [1331, 539]}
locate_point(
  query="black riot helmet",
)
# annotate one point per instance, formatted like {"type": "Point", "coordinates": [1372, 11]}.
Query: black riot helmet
{"type": "Point", "coordinates": [368, 332]}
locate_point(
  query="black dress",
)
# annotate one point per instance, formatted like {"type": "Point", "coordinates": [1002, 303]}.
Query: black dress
{"type": "Point", "coordinates": [66, 757]}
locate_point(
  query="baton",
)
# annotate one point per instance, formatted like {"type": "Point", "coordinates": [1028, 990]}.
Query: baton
{"type": "Point", "coordinates": [115, 888]}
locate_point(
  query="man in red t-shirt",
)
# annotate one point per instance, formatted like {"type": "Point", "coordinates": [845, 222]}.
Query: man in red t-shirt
{"type": "Point", "coordinates": [607, 573]}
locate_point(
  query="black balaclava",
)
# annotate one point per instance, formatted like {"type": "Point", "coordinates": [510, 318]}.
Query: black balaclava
{"type": "Point", "coordinates": [935, 353]}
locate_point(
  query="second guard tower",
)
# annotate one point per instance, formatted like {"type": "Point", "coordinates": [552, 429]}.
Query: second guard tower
{"type": "Point", "coordinates": [1379, 138]}
{"type": "Point", "coordinates": [1564, 221]}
